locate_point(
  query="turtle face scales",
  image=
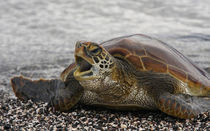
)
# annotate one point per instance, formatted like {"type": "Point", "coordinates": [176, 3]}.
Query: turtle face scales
{"type": "Point", "coordinates": [92, 60]}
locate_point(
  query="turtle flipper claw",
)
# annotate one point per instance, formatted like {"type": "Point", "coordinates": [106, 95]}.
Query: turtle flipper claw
{"type": "Point", "coordinates": [183, 106]}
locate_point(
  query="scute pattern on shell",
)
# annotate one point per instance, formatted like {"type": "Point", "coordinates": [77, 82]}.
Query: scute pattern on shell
{"type": "Point", "coordinates": [149, 54]}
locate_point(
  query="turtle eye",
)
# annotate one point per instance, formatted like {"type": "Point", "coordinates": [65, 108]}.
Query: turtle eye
{"type": "Point", "coordinates": [95, 50]}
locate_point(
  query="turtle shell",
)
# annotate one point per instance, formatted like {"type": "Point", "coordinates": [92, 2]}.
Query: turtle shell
{"type": "Point", "coordinates": [149, 54]}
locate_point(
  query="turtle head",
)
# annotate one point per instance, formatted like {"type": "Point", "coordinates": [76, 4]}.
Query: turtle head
{"type": "Point", "coordinates": [92, 61]}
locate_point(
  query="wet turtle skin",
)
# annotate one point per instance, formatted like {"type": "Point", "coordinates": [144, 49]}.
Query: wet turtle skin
{"type": "Point", "coordinates": [130, 72]}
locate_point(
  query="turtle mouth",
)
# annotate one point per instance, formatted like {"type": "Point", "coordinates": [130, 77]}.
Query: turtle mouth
{"type": "Point", "coordinates": [83, 64]}
{"type": "Point", "coordinates": [84, 70]}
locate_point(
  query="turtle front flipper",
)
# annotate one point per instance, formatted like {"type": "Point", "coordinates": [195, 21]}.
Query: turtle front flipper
{"type": "Point", "coordinates": [183, 106]}
{"type": "Point", "coordinates": [67, 96]}
{"type": "Point", "coordinates": [62, 96]}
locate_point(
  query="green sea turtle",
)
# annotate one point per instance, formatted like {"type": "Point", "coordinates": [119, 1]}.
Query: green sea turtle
{"type": "Point", "coordinates": [130, 72]}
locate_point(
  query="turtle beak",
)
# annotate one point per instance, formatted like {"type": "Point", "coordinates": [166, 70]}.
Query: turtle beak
{"type": "Point", "coordinates": [84, 69]}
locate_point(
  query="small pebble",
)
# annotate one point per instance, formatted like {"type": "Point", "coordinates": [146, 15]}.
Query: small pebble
{"type": "Point", "coordinates": [17, 115]}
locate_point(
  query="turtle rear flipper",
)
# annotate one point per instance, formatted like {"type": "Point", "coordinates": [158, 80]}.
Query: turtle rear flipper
{"type": "Point", "coordinates": [55, 92]}
{"type": "Point", "coordinates": [183, 106]}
